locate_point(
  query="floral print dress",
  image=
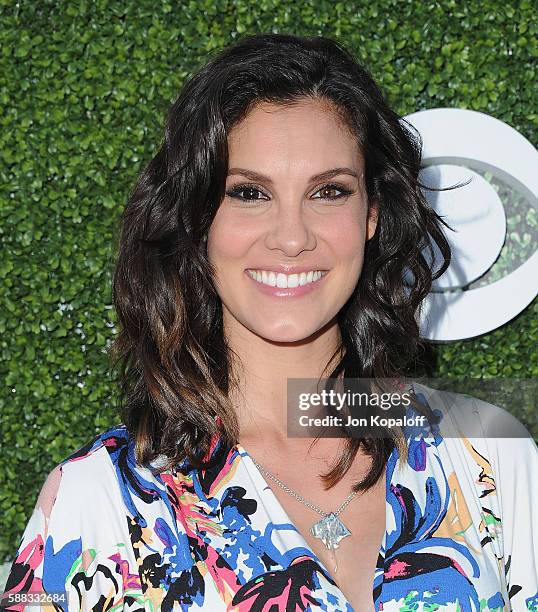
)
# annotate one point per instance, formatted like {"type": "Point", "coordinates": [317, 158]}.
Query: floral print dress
{"type": "Point", "coordinates": [461, 533]}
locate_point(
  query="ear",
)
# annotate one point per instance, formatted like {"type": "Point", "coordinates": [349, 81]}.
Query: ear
{"type": "Point", "coordinates": [371, 219]}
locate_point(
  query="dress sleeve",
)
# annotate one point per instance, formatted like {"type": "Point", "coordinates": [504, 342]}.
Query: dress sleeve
{"type": "Point", "coordinates": [515, 465]}
{"type": "Point", "coordinates": [75, 551]}
{"type": "Point", "coordinates": [505, 481]}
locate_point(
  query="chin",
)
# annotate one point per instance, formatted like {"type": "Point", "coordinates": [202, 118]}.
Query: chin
{"type": "Point", "coordinates": [288, 333]}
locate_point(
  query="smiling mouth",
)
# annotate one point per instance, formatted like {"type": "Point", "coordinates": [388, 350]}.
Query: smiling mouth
{"type": "Point", "coordinates": [286, 281]}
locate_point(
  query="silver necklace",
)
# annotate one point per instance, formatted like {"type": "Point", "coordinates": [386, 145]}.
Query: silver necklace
{"type": "Point", "coordinates": [330, 529]}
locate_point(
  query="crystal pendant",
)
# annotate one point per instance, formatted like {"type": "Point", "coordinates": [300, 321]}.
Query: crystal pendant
{"type": "Point", "coordinates": [330, 530]}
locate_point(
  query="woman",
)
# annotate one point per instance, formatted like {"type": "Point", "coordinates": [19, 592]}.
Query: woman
{"type": "Point", "coordinates": [268, 240]}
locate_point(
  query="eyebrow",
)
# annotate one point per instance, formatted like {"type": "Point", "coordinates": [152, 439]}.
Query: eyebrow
{"type": "Point", "coordinates": [256, 176]}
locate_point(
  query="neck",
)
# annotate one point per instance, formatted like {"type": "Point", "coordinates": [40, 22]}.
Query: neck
{"type": "Point", "coordinates": [261, 373]}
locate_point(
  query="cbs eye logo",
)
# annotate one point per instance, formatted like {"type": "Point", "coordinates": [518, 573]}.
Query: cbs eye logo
{"type": "Point", "coordinates": [493, 274]}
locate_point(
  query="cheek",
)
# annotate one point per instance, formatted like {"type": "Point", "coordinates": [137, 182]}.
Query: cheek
{"type": "Point", "coordinates": [346, 235]}
{"type": "Point", "coordinates": [229, 237]}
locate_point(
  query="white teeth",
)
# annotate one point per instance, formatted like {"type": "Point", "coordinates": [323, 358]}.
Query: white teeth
{"type": "Point", "coordinates": [281, 280]}
{"type": "Point", "coordinates": [293, 280]}
{"type": "Point", "coordinates": [284, 281]}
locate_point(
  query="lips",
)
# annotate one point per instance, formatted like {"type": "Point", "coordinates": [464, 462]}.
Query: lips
{"type": "Point", "coordinates": [294, 288]}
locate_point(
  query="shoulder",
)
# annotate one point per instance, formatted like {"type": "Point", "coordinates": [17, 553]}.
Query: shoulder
{"type": "Point", "coordinates": [102, 481]}
{"type": "Point", "coordinates": [80, 502]}
{"type": "Point", "coordinates": [78, 530]}
{"type": "Point", "coordinates": [112, 438]}
{"type": "Point", "coordinates": [478, 433]}
{"type": "Point", "coordinates": [86, 472]}
{"type": "Point", "coordinates": [464, 415]}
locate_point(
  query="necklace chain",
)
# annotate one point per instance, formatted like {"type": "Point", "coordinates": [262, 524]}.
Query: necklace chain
{"type": "Point", "coordinates": [300, 498]}
{"type": "Point", "coordinates": [330, 529]}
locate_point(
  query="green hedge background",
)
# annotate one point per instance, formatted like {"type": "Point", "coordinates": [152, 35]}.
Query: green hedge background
{"type": "Point", "coordinates": [84, 88]}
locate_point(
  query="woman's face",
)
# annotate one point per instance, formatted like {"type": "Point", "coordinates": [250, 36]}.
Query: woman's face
{"type": "Point", "coordinates": [283, 224]}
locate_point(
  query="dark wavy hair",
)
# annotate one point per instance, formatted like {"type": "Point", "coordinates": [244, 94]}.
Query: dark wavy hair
{"type": "Point", "coordinates": [175, 365]}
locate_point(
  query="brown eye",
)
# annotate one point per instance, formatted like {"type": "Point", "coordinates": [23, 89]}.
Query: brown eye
{"type": "Point", "coordinates": [332, 188]}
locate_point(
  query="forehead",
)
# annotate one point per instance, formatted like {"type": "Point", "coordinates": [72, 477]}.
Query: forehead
{"type": "Point", "coordinates": [309, 131]}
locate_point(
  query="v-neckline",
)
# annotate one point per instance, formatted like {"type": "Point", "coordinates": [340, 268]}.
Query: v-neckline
{"type": "Point", "coordinates": [389, 471]}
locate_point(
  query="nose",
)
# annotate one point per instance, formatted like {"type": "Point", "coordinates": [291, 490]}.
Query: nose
{"type": "Point", "coordinates": [289, 230]}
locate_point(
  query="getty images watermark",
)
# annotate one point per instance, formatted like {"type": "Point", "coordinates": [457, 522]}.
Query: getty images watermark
{"type": "Point", "coordinates": [365, 400]}
{"type": "Point", "coordinates": [368, 407]}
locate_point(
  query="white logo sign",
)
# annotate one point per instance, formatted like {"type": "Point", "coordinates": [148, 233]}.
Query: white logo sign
{"type": "Point", "coordinates": [454, 141]}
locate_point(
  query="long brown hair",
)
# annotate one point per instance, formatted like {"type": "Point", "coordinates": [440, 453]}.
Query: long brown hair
{"type": "Point", "coordinates": [175, 373]}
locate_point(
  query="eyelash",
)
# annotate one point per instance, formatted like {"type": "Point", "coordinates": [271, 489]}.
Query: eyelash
{"type": "Point", "coordinates": [233, 193]}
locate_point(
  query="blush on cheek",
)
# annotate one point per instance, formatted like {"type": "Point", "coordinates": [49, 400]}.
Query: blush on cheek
{"type": "Point", "coordinates": [231, 236]}
{"type": "Point", "coordinates": [348, 245]}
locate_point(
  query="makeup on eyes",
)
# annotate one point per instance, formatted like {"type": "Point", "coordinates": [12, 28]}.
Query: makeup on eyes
{"type": "Point", "coordinates": [234, 191]}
